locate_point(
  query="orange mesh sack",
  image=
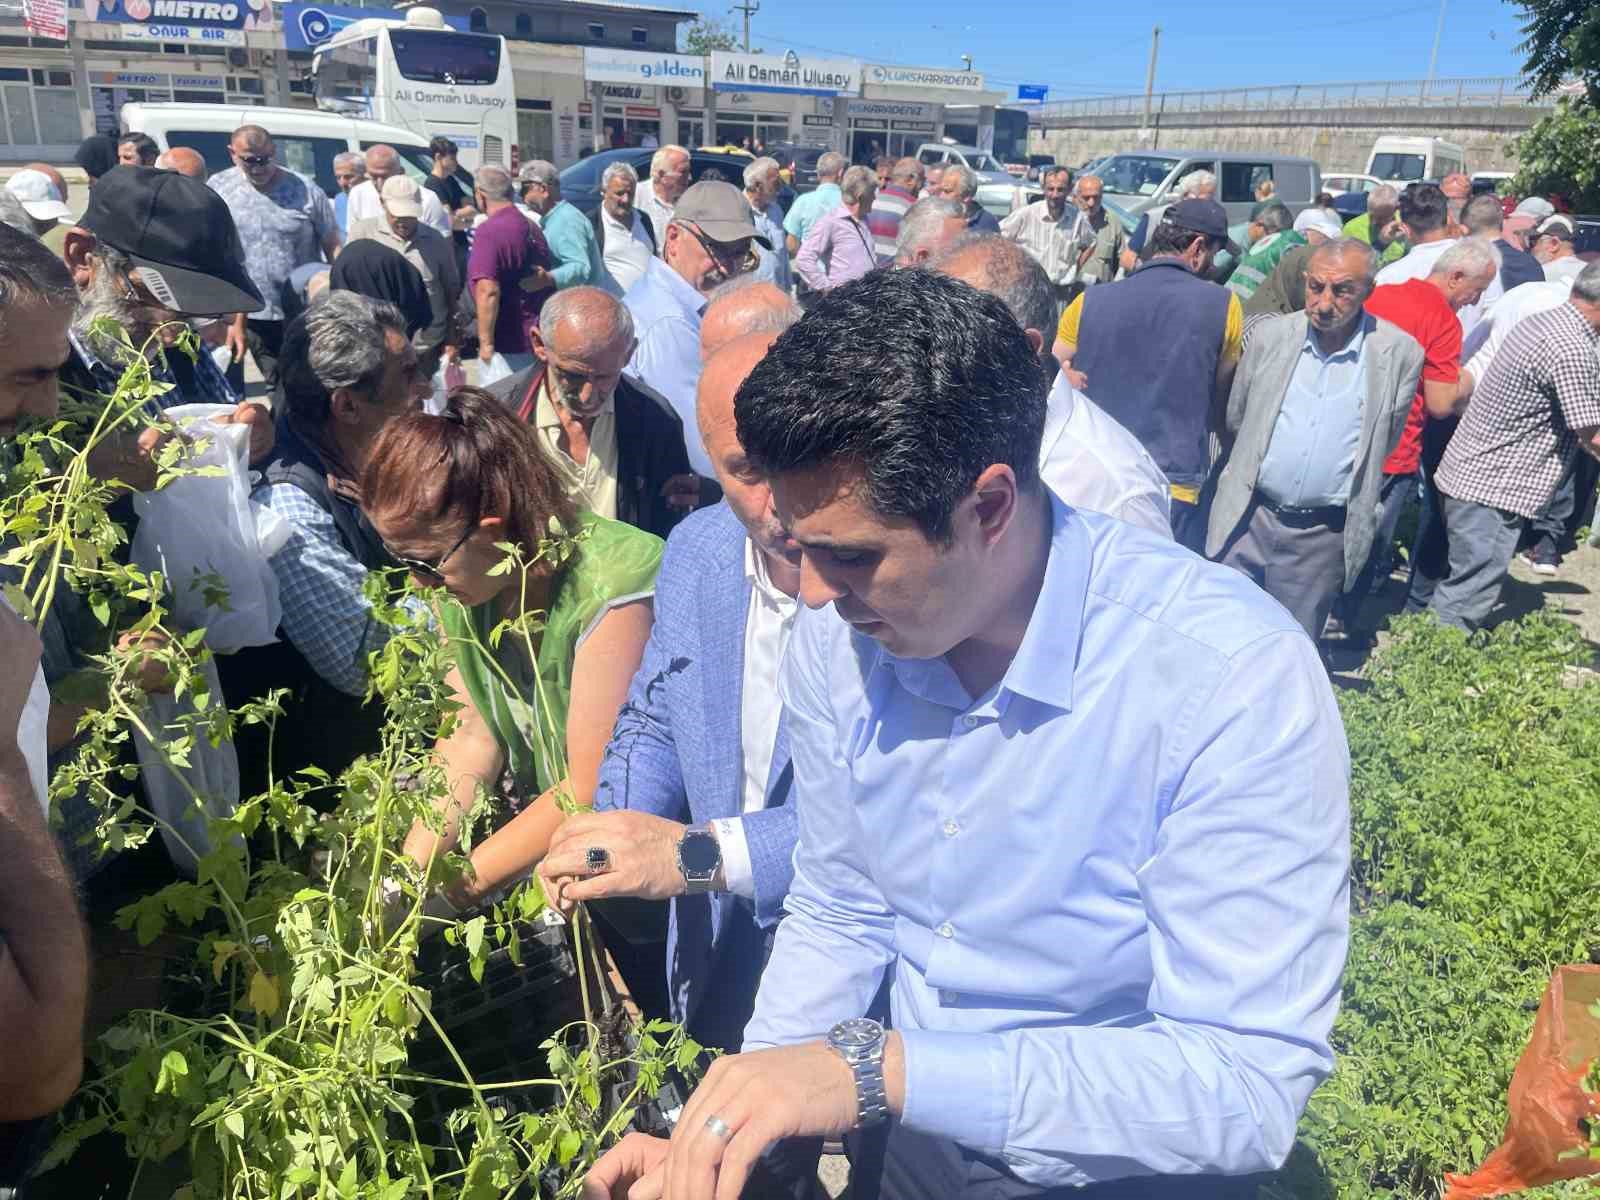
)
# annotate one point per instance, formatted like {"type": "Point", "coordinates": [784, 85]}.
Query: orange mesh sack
{"type": "Point", "coordinates": [1549, 1109]}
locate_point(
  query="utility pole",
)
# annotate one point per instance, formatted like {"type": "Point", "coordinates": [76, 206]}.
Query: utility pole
{"type": "Point", "coordinates": [1150, 78]}
{"type": "Point", "coordinates": [749, 8]}
{"type": "Point", "coordinates": [1438, 32]}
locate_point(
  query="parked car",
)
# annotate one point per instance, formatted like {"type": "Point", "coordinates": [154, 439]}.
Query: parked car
{"type": "Point", "coordinates": [1337, 185]}
{"type": "Point", "coordinates": [1145, 179]}
{"type": "Point", "coordinates": [996, 187]}
{"type": "Point", "coordinates": [580, 183]}
{"type": "Point", "coordinates": [306, 140]}
{"type": "Point", "coordinates": [798, 164]}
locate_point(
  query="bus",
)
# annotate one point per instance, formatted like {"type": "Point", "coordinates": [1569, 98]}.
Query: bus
{"type": "Point", "coordinates": [423, 76]}
{"type": "Point", "coordinates": [1010, 133]}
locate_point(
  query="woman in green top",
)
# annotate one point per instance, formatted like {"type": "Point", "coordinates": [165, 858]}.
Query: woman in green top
{"type": "Point", "coordinates": [443, 493]}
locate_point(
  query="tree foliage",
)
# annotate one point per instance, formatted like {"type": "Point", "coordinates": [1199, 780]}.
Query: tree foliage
{"type": "Point", "coordinates": [1562, 41]}
{"type": "Point", "coordinates": [708, 34]}
{"type": "Point", "coordinates": [1558, 156]}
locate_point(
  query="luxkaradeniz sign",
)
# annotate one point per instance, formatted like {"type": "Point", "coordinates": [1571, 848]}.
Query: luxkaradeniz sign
{"type": "Point", "coordinates": [784, 73]}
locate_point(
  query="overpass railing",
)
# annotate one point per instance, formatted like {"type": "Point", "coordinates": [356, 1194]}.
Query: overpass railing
{"type": "Point", "coordinates": [1475, 92]}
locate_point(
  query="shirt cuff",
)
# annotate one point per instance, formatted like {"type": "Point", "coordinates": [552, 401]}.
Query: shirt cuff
{"type": "Point", "coordinates": [737, 873]}
{"type": "Point", "coordinates": [957, 1087]}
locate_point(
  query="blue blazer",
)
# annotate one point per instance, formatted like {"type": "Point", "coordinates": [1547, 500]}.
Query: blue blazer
{"type": "Point", "coordinates": [676, 753]}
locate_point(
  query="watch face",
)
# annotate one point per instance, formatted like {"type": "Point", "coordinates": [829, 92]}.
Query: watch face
{"type": "Point", "coordinates": [699, 853]}
{"type": "Point", "coordinates": [857, 1033]}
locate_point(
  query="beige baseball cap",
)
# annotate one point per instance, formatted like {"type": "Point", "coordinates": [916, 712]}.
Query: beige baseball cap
{"type": "Point", "coordinates": [402, 197]}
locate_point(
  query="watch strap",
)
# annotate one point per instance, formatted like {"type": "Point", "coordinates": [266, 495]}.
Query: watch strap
{"type": "Point", "coordinates": [698, 882]}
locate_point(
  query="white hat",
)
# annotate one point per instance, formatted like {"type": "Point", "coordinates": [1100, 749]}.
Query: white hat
{"type": "Point", "coordinates": [1536, 207]}
{"type": "Point", "coordinates": [402, 197]}
{"type": "Point", "coordinates": [39, 196]}
{"type": "Point", "coordinates": [1319, 220]}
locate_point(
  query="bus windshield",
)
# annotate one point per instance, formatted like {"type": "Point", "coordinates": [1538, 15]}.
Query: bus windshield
{"type": "Point", "coordinates": [431, 56]}
{"type": "Point", "coordinates": [1398, 166]}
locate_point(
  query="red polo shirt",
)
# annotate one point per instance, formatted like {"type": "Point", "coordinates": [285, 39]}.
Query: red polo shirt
{"type": "Point", "coordinates": [1422, 311]}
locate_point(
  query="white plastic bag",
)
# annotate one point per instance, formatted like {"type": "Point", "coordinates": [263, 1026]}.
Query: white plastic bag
{"type": "Point", "coordinates": [493, 371]}
{"type": "Point", "coordinates": [213, 773]}
{"type": "Point", "coordinates": [446, 379]}
{"type": "Point", "coordinates": [203, 526]}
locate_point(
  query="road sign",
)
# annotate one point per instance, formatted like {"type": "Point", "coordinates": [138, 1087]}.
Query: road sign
{"type": "Point", "coordinates": [1032, 93]}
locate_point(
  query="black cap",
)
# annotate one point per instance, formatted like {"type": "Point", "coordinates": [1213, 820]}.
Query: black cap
{"type": "Point", "coordinates": [1202, 216]}
{"type": "Point", "coordinates": [180, 235]}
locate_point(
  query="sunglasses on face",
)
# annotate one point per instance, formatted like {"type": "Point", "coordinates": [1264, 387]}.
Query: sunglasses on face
{"type": "Point", "coordinates": [254, 160]}
{"type": "Point", "coordinates": [731, 261]}
{"type": "Point", "coordinates": [432, 569]}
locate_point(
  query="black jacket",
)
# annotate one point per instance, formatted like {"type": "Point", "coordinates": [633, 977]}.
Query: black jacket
{"type": "Point", "coordinates": [600, 230]}
{"type": "Point", "coordinates": [650, 448]}
{"type": "Point", "coordinates": [1517, 266]}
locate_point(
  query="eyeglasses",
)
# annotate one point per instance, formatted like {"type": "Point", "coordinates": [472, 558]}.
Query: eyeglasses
{"type": "Point", "coordinates": [732, 262]}
{"type": "Point", "coordinates": [254, 160]}
{"type": "Point", "coordinates": [433, 570]}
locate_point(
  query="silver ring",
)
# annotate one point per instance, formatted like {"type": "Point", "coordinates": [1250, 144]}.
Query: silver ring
{"type": "Point", "coordinates": [719, 1127]}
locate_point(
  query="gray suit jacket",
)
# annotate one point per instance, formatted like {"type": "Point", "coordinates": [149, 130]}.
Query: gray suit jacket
{"type": "Point", "coordinates": [1394, 364]}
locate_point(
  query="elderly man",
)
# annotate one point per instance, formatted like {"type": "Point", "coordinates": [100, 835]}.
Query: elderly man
{"type": "Point", "coordinates": [709, 240]}
{"type": "Point", "coordinates": [618, 451]}
{"type": "Point", "coordinates": [1271, 236]}
{"type": "Point", "coordinates": [626, 237]}
{"type": "Point", "coordinates": [1428, 310]}
{"type": "Point", "coordinates": [838, 247]}
{"type": "Point", "coordinates": [1284, 289]}
{"type": "Point", "coordinates": [431, 253]}
{"type": "Point", "coordinates": [1158, 349]}
{"type": "Point", "coordinates": [40, 199]}
{"type": "Point", "coordinates": [1134, 989]}
{"type": "Point", "coordinates": [808, 209]}
{"type": "Point", "coordinates": [1056, 232]}
{"type": "Point", "coordinates": [1484, 216]}
{"type": "Point", "coordinates": [137, 150]}
{"type": "Point", "coordinates": [284, 220]}
{"type": "Point", "coordinates": [1378, 226]}
{"type": "Point", "coordinates": [1552, 248]}
{"type": "Point", "coordinates": [573, 245]}
{"type": "Point", "coordinates": [1531, 415]}
{"type": "Point", "coordinates": [930, 226]}
{"type": "Point", "coordinates": [761, 184]}
{"type": "Point", "coordinates": [383, 162]}
{"type": "Point", "coordinates": [348, 369]}
{"type": "Point", "coordinates": [933, 177]}
{"type": "Point", "coordinates": [659, 195]}
{"type": "Point", "coordinates": [508, 272]}
{"type": "Point", "coordinates": [894, 199]}
{"type": "Point", "coordinates": [185, 160]}
{"type": "Point", "coordinates": [1085, 457]}
{"type": "Point", "coordinates": [1320, 400]}
{"type": "Point", "coordinates": [1110, 238]}
{"type": "Point", "coordinates": [1196, 185]}
{"type": "Point", "coordinates": [960, 183]}
{"type": "Point", "coordinates": [745, 305]}
{"type": "Point", "coordinates": [349, 169]}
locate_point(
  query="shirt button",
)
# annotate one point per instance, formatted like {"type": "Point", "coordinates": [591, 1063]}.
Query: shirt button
{"type": "Point", "coordinates": [951, 829]}
{"type": "Point", "coordinates": [946, 930]}
{"type": "Point", "coordinates": [969, 721]}
{"type": "Point", "coordinates": [948, 997]}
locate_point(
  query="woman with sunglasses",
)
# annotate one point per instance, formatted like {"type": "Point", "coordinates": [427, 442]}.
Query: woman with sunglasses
{"type": "Point", "coordinates": [444, 493]}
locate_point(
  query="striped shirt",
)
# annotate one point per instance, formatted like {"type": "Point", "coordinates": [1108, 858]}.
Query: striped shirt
{"type": "Point", "coordinates": [884, 220]}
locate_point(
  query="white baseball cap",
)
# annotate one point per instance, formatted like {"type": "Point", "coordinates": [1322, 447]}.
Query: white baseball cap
{"type": "Point", "coordinates": [39, 196]}
{"type": "Point", "coordinates": [402, 197]}
{"type": "Point", "coordinates": [1319, 220]}
{"type": "Point", "coordinates": [1536, 207]}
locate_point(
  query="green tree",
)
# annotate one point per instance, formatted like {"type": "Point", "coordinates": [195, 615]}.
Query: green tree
{"type": "Point", "coordinates": [1562, 42]}
{"type": "Point", "coordinates": [706, 35]}
{"type": "Point", "coordinates": [1557, 155]}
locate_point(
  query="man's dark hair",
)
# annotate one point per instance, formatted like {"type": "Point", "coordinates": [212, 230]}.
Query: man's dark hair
{"type": "Point", "coordinates": [1423, 208]}
{"type": "Point", "coordinates": [1167, 238]}
{"type": "Point", "coordinates": [30, 275]}
{"type": "Point", "coordinates": [922, 380]}
{"type": "Point", "coordinates": [441, 146]}
{"type": "Point", "coordinates": [143, 145]}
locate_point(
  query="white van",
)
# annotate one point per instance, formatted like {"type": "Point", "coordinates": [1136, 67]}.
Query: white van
{"type": "Point", "coordinates": [306, 139]}
{"type": "Point", "coordinates": [1146, 179]}
{"type": "Point", "coordinates": [1408, 159]}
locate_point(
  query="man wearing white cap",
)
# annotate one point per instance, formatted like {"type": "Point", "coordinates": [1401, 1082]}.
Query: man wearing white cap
{"type": "Point", "coordinates": [1318, 225]}
{"type": "Point", "coordinates": [40, 199]}
{"type": "Point", "coordinates": [401, 228]}
{"type": "Point", "coordinates": [1552, 246]}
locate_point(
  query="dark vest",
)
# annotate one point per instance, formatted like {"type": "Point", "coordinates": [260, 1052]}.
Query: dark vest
{"type": "Point", "coordinates": [1150, 345]}
{"type": "Point", "coordinates": [320, 726]}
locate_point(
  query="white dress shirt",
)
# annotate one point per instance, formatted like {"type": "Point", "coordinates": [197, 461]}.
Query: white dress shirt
{"type": "Point", "coordinates": [627, 249]}
{"type": "Point", "coordinates": [1090, 461]}
{"type": "Point", "coordinates": [767, 624]}
{"type": "Point", "coordinates": [1477, 354]}
{"type": "Point", "coordinates": [32, 733]}
{"type": "Point", "coordinates": [658, 210]}
{"type": "Point", "coordinates": [364, 204]}
{"type": "Point", "coordinates": [1417, 263]}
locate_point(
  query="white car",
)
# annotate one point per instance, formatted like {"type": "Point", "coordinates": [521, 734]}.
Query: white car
{"type": "Point", "coordinates": [1338, 185]}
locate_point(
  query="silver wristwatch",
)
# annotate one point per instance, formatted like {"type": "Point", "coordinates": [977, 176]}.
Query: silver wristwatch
{"type": "Point", "coordinates": [859, 1041]}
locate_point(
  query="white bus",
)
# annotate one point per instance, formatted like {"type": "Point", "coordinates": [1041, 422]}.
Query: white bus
{"type": "Point", "coordinates": [1409, 159]}
{"type": "Point", "coordinates": [426, 77]}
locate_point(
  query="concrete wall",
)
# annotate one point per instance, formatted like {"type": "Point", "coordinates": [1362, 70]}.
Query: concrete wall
{"type": "Point", "coordinates": [1338, 140]}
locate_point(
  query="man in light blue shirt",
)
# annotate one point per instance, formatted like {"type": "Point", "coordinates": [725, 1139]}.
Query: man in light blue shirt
{"type": "Point", "coordinates": [761, 184]}
{"type": "Point", "coordinates": [709, 240]}
{"type": "Point", "coordinates": [567, 231]}
{"type": "Point", "coordinates": [1319, 402]}
{"type": "Point", "coordinates": [1082, 795]}
{"type": "Point", "coordinates": [808, 209]}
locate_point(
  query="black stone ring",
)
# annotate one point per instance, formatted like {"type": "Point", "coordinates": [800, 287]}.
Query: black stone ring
{"type": "Point", "coordinates": [596, 859]}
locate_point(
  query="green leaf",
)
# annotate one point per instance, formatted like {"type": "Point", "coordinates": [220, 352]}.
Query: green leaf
{"type": "Point", "coordinates": [234, 1124]}
{"type": "Point", "coordinates": [568, 1145]}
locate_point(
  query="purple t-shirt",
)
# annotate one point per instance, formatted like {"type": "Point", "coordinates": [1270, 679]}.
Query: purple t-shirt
{"type": "Point", "coordinates": [505, 248]}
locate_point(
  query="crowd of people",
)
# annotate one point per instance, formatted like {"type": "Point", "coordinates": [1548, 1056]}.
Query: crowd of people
{"type": "Point", "coordinates": [872, 506]}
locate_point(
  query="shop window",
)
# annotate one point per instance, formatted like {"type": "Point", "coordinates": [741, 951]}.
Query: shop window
{"type": "Point", "coordinates": [172, 48]}
{"type": "Point", "coordinates": [58, 114]}
{"type": "Point", "coordinates": [185, 97]}
{"type": "Point", "coordinates": [641, 37]}
{"type": "Point", "coordinates": [524, 25]}
{"type": "Point", "coordinates": [250, 85]}
{"type": "Point", "coordinates": [478, 21]}
{"type": "Point", "coordinates": [13, 75]}
{"type": "Point", "coordinates": [597, 32]}
{"type": "Point", "coordinates": [60, 78]}
{"type": "Point", "coordinates": [13, 41]}
{"type": "Point", "coordinates": [209, 51]}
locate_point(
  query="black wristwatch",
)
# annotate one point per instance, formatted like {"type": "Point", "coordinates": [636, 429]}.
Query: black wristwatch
{"type": "Point", "coordinates": [699, 859]}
